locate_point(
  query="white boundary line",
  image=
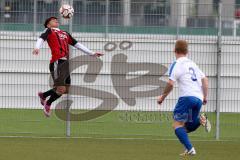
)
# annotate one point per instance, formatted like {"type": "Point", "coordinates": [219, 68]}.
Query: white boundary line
{"type": "Point", "coordinates": [116, 138]}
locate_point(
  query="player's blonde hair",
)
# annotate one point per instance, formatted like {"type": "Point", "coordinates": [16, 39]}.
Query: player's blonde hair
{"type": "Point", "coordinates": [181, 47]}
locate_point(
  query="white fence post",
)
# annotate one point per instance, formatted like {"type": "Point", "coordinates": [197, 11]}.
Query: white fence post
{"type": "Point", "coordinates": [219, 47]}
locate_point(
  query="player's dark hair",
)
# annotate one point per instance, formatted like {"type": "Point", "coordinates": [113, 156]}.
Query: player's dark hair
{"type": "Point", "coordinates": [48, 20]}
{"type": "Point", "coordinates": [181, 47]}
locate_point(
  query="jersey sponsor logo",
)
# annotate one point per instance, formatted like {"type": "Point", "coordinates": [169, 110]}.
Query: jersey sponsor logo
{"type": "Point", "coordinates": [171, 68]}
{"type": "Point", "coordinates": [62, 36]}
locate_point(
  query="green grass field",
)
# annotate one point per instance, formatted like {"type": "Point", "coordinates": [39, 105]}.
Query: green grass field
{"type": "Point", "coordinates": [111, 149]}
{"type": "Point", "coordinates": [27, 134]}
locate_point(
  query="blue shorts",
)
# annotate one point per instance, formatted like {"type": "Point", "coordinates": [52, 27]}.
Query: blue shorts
{"type": "Point", "coordinates": [187, 109]}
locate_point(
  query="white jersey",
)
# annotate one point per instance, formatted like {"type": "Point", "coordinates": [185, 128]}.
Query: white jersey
{"type": "Point", "coordinates": [188, 76]}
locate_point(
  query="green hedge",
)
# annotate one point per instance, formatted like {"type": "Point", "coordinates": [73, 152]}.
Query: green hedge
{"type": "Point", "coordinates": [123, 29]}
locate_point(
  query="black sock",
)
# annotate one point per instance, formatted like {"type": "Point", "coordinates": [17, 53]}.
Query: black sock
{"type": "Point", "coordinates": [49, 93]}
{"type": "Point", "coordinates": [54, 97]}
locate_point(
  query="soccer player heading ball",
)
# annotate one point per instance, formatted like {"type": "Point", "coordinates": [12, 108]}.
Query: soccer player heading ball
{"type": "Point", "coordinates": [58, 42]}
{"type": "Point", "coordinates": [193, 86]}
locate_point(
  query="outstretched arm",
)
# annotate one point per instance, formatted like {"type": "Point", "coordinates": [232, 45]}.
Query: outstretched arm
{"type": "Point", "coordinates": [40, 41]}
{"type": "Point", "coordinates": [38, 45]}
{"type": "Point", "coordinates": [86, 50]}
{"type": "Point", "coordinates": [167, 90]}
{"type": "Point", "coordinates": [82, 48]}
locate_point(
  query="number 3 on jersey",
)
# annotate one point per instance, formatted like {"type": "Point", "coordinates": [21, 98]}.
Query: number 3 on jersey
{"type": "Point", "coordinates": [193, 74]}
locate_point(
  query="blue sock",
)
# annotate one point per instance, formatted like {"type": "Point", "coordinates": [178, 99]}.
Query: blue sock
{"type": "Point", "coordinates": [192, 126]}
{"type": "Point", "coordinates": [183, 137]}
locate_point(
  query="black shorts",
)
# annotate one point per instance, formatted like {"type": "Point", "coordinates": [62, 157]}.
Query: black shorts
{"type": "Point", "coordinates": [60, 72]}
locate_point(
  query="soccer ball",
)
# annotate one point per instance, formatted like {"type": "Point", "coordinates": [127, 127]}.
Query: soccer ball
{"type": "Point", "coordinates": [66, 11]}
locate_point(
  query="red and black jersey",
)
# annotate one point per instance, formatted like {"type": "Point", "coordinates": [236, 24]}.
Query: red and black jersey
{"type": "Point", "coordinates": [58, 42]}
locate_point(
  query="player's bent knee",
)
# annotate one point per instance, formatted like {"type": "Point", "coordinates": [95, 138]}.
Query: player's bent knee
{"type": "Point", "coordinates": [177, 124]}
{"type": "Point", "coordinates": [61, 90]}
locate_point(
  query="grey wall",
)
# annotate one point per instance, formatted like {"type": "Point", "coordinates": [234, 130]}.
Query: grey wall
{"type": "Point", "coordinates": [22, 75]}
